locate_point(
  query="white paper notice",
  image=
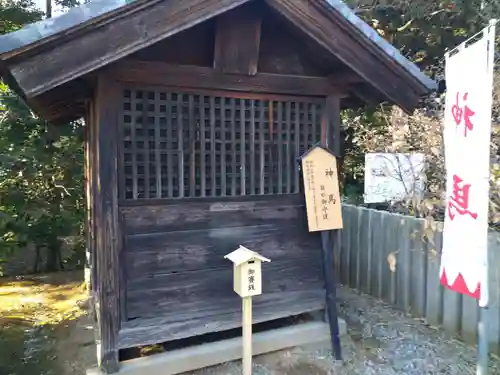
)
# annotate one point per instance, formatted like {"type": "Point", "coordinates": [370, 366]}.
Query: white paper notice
{"type": "Point", "coordinates": [393, 177]}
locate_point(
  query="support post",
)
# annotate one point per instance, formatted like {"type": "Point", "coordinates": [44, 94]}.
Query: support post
{"type": "Point", "coordinates": [331, 295]}
{"type": "Point", "coordinates": [330, 126]}
{"type": "Point", "coordinates": [247, 335]}
{"type": "Point", "coordinates": [106, 224]}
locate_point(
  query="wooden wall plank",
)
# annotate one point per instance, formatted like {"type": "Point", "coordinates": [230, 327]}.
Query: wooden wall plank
{"type": "Point", "coordinates": [215, 317]}
{"type": "Point", "coordinates": [215, 213]}
{"type": "Point", "coordinates": [147, 296]}
{"type": "Point", "coordinates": [203, 249]}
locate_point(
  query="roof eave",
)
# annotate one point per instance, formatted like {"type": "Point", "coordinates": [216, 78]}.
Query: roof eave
{"type": "Point", "coordinates": [67, 24]}
{"type": "Point", "coordinates": [389, 50]}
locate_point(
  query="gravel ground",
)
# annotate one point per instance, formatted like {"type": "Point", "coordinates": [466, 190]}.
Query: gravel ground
{"type": "Point", "coordinates": [380, 340]}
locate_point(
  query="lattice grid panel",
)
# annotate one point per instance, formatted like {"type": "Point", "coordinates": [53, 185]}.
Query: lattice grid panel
{"type": "Point", "coordinates": [180, 145]}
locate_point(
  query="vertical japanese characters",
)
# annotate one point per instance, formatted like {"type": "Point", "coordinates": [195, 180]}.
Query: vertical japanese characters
{"type": "Point", "coordinates": [251, 279]}
{"type": "Point", "coordinates": [458, 201]}
{"type": "Point", "coordinates": [321, 190]}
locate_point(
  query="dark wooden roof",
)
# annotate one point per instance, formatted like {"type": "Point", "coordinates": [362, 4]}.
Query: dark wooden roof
{"type": "Point", "coordinates": [41, 60]}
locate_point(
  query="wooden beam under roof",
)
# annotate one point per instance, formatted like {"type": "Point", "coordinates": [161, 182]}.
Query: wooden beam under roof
{"type": "Point", "coordinates": [196, 77]}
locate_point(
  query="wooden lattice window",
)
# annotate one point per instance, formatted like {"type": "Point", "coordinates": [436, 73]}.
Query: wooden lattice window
{"type": "Point", "coordinates": [179, 145]}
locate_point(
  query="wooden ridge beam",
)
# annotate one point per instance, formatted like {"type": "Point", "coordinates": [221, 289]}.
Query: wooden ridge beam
{"type": "Point", "coordinates": [196, 77]}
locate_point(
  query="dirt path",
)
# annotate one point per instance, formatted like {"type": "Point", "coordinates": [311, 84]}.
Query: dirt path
{"type": "Point", "coordinates": [43, 326]}
{"type": "Point", "coordinates": [380, 341]}
{"type": "Point", "coordinates": [44, 331]}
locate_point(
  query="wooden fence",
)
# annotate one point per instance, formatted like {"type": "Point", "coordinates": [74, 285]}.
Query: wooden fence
{"type": "Point", "coordinates": [373, 242]}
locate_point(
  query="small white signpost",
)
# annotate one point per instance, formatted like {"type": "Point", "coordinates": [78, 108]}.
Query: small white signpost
{"type": "Point", "coordinates": [247, 282]}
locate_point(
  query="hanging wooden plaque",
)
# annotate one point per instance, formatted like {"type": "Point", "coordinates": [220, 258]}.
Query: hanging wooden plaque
{"type": "Point", "coordinates": [321, 187]}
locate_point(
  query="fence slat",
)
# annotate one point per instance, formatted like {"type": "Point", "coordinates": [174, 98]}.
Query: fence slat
{"type": "Point", "coordinates": [403, 264]}
{"type": "Point", "coordinates": [353, 248]}
{"type": "Point", "coordinates": [470, 315]}
{"type": "Point", "coordinates": [364, 251]}
{"type": "Point", "coordinates": [494, 291]}
{"type": "Point", "coordinates": [452, 311]}
{"type": "Point", "coordinates": [344, 252]}
{"type": "Point", "coordinates": [434, 293]}
{"type": "Point", "coordinates": [378, 245]}
{"type": "Point", "coordinates": [418, 264]}
{"type": "Point", "coordinates": [390, 247]}
{"type": "Point", "coordinates": [358, 244]}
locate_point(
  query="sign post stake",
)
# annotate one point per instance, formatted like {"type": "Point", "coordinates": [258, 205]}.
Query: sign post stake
{"type": "Point", "coordinates": [247, 282]}
{"type": "Point", "coordinates": [331, 121]}
{"type": "Point", "coordinates": [324, 214]}
{"type": "Point", "coordinates": [247, 335]}
{"type": "Point", "coordinates": [331, 295]}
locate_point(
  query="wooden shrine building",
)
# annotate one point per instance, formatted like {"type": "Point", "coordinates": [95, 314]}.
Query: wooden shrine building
{"type": "Point", "coordinates": [196, 112]}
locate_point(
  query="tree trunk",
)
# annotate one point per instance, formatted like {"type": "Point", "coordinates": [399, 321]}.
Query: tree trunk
{"type": "Point", "coordinates": [37, 259]}
{"type": "Point", "coordinates": [48, 8]}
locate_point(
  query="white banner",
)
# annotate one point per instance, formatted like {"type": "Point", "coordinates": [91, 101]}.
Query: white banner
{"type": "Point", "coordinates": [467, 128]}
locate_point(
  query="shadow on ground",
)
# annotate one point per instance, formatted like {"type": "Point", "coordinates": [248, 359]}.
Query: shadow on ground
{"type": "Point", "coordinates": [39, 315]}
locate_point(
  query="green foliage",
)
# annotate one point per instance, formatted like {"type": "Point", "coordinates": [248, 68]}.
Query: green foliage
{"type": "Point", "coordinates": [423, 30]}
{"type": "Point", "coordinates": [41, 181]}
{"type": "Point", "coordinates": [14, 14]}
{"type": "Point", "coordinates": [41, 168]}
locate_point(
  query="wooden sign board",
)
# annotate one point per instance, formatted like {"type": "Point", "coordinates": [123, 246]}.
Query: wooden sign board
{"type": "Point", "coordinates": [321, 187]}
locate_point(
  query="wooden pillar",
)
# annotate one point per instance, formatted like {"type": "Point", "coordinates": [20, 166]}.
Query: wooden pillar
{"type": "Point", "coordinates": [330, 138]}
{"type": "Point", "coordinates": [88, 201]}
{"type": "Point", "coordinates": [106, 224]}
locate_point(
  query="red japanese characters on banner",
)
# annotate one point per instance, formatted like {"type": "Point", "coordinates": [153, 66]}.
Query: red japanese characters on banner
{"type": "Point", "coordinates": [458, 202]}
{"type": "Point", "coordinates": [462, 112]}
